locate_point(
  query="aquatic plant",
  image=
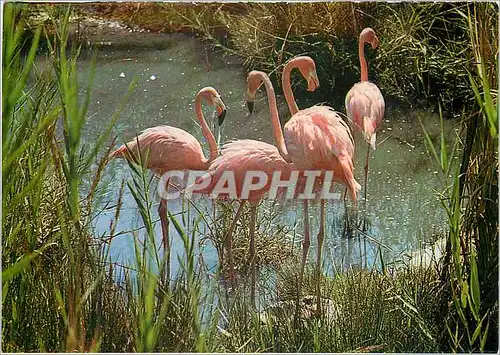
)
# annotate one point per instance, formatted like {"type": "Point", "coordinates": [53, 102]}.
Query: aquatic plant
{"type": "Point", "coordinates": [364, 310]}
{"type": "Point", "coordinates": [272, 239]}
{"type": "Point", "coordinates": [52, 274]}
{"type": "Point", "coordinates": [470, 273]}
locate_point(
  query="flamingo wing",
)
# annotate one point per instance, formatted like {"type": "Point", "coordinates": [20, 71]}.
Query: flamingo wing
{"type": "Point", "coordinates": [166, 148]}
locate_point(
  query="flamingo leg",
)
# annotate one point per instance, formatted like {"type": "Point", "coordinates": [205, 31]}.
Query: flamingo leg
{"type": "Point", "coordinates": [305, 250]}
{"type": "Point", "coordinates": [347, 224]}
{"type": "Point", "coordinates": [162, 212]}
{"type": "Point", "coordinates": [253, 213]}
{"type": "Point", "coordinates": [365, 184]}
{"type": "Point", "coordinates": [229, 243]}
{"type": "Point", "coordinates": [321, 236]}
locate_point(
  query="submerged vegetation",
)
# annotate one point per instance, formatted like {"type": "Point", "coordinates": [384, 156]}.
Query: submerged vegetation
{"type": "Point", "coordinates": [60, 290]}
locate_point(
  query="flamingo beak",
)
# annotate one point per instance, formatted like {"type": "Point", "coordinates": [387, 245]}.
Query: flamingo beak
{"type": "Point", "coordinates": [312, 81]}
{"type": "Point", "coordinates": [221, 111]}
{"type": "Point", "coordinates": [250, 105]}
{"type": "Point", "coordinates": [375, 42]}
{"type": "Point", "coordinates": [250, 100]}
{"type": "Point", "coordinates": [221, 117]}
{"type": "Point", "coordinates": [371, 140]}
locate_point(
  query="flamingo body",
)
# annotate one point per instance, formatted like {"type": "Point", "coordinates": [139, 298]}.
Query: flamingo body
{"type": "Point", "coordinates": [245, 155]}
{"type": "Point", "coordinates": [242, 156]}
{"type": "Point", "coordinates": [364, 103]}
{"type": "Point", "coordinates": [318, 139]}
{"type": "Point", "coordinates": [167, 148]}
{"type": "Point", "coordinates": [365, 107]}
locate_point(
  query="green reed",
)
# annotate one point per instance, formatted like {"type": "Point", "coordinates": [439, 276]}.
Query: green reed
{"type": "Point", "coordinates": [52, 275]}
{"type": "Point", "coordinates": [470, 273]}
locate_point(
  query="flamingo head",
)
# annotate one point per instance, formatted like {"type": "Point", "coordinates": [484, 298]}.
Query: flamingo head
{"type": "Point", "coordinates": [369, 132]}
{"type": "Point", "coordinates": [213, 98]}
{"type": "Point", "coordinates": [307, 68]}
{"type": "Point", "coordinates": [254, 82]}
{"type": "Point", "coordinates": [221, 110]}
{"type": "Point", "coordinates": [368, 35]}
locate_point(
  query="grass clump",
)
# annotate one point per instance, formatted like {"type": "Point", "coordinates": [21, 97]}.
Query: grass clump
{"type": "Point", "coordinates": [46, 250]}
{"type": "Point", "coordinates": [272, 240]}
{"type": "Point", "coordinates": [365, 311]}
{"type": "Point", "coordinates": [61, 291]}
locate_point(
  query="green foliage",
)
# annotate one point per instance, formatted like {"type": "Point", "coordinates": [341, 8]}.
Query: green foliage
{"type": "Point", "coordinates": [266, 35]}
{"type": "Point", "coordinates": [425, 53]}
{"type": "Point", "coordinates": [470, 273]}
{"type": "Point", "coordinates": [52, 277]}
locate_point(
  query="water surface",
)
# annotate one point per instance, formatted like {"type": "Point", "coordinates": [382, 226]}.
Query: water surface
{"type": "Point", "coordinates": [402, 210]}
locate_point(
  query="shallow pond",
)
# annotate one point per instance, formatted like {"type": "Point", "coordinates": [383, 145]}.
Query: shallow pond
{"type": "Point", "coordinates": [403, 209]}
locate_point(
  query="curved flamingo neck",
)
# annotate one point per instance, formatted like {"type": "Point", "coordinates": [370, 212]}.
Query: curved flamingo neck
{"type": "Point", "coordinates": [362, 60]}
{"type": "Point", "coordinates": [287, 88]}
{"type": "Point", "coordinates": [275, 120]}
{"type": "Point", "coordinates": [207, 133]}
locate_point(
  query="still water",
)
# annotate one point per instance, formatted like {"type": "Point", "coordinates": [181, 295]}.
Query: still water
{"type": "Point", "coordinates": [403, 209]}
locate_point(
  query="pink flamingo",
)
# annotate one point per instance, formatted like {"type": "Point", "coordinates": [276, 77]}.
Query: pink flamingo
{"type": "Point", "coordinates": [170, 148]}
{"type": "Point", "coordinates": [317, 139]}
{"type": "Point", "coordinates": [245, 155]}
{"type": "Point", "coordinates": [364, 102]}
